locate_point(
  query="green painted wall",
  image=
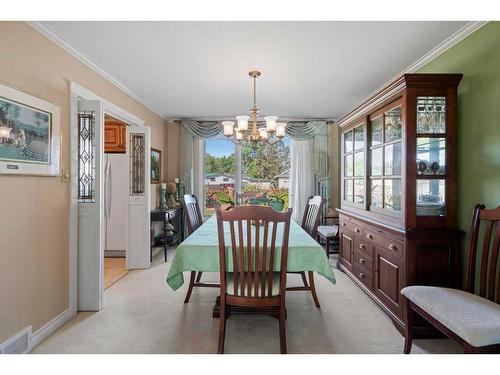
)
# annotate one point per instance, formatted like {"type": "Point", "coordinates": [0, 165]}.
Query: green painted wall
{"type": "Point", "coordinates": [478, 58]}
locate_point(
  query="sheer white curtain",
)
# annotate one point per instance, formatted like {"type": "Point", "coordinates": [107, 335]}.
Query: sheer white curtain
{"type": "Point", "coordinates": [301, 176]}
{"type": "Point", "coordinates": [192, 159]}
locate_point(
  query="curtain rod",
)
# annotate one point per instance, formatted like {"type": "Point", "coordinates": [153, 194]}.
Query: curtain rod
{"type": "Point", "coordinates": [328, 121]}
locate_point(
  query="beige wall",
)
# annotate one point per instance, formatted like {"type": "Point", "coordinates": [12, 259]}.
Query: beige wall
{"type": "Point", "coordinates": [173, 143]}
{"type": "Point", "coordinates": [34, 211]}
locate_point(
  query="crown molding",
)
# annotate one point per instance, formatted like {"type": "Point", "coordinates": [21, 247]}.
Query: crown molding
{"type": "Point", "coordinates": [55, 38]}
{"type": "Point", "coordinates": [458, 36]}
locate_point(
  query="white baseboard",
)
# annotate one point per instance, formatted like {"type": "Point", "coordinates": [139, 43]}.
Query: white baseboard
{"type": "Point", "coordinates": [50, 327]}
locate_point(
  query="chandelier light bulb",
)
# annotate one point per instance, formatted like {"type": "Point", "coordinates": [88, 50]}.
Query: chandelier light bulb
{"type": "Point", "coordinates": [280, 129]}
{"type": "Point", "coordinates": [263, 133]}
{"type": "Point", "coordinates": [271, 123]}
{"type": "Point", "coordinates": [242, 122]}
{"type": "Point", "coordinates": [228, 128]}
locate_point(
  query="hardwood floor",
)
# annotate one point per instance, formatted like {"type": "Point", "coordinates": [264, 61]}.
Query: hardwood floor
{"type": "Point", "coordinates": [114, 270]}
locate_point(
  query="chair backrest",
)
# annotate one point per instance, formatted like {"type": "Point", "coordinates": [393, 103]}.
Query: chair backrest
{"type": "Point", "coordinates": [252, 250]}
{"type": "Point", "coordinates": [312, 215]}
{"type": "Point", "coordinates": [482, 253]}
{"type": "Point", "coordinates": [193, 213]}
{"type": "Point", "coordinates": [244, 198]}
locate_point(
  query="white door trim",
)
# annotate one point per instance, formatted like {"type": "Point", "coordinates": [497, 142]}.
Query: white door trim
{"type": "Point", "coordinates": [78, 91]}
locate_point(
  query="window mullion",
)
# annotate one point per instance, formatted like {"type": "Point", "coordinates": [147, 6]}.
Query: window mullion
{"type": "Point", "coordinates": [238, 171]}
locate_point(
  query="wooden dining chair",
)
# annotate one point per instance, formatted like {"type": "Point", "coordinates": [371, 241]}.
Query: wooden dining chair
{"type": "Point", "coordinates": [194, 221]}
{"type": "Point", "coordinates": [471, 317]}
{"type": "Point", "coordinates": [248, 273]}
{"type": "Point", "coordinates": [310, 222]}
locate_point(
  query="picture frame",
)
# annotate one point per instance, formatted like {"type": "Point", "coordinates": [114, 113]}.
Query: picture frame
{"type": "Point", "coordinates": [30, 134]}
{"type": "Point", "coordinates": [155, 166]}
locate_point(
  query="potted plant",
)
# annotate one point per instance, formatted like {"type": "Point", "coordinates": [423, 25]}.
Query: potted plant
{"type": "Point", "coordinates": [277, 198]}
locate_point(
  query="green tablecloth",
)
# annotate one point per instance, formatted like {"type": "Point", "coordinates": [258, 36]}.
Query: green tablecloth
{"type": "Point", "coordinates": [200, 252]}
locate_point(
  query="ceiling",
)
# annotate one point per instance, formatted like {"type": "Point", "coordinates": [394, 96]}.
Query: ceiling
{"type": "Point", "coordinates": [199, 69]}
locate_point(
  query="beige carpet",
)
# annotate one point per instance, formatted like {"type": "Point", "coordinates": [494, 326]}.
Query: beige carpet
{"type": "Point", "coordinates": [143, 315]}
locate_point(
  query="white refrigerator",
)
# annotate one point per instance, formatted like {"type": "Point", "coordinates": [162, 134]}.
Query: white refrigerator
{"type": "Point", "coordinates": [115, 204]}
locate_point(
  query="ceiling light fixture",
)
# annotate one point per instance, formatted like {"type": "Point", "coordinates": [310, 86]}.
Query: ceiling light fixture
{"type": "Point", "coordinates": [272, 133]}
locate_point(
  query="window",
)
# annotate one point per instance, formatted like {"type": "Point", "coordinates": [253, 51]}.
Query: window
{"type": "Point", "coordinates": [265, 174]}
{"type": "Point", "coordinates": [219, 166]}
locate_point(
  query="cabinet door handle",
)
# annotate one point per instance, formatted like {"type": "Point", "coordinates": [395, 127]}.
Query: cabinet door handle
{"type": "Point", "coordinates": [343, 224]}
{"type": "Point", "coordinates": [358, 230]}
{"type": "Point", "coordinates": [361, 246]}
{"type": "Point", "coordinates": [361, 275]}
{"type": "Point", "coordinates": [369, 236]}
{"type": "Point", "coordinates": [392, 247]}
{"type": "Point", "coordinates": [361, 260]}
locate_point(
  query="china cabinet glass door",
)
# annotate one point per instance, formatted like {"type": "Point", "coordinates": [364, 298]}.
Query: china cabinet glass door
{"type": "Point", "coordinates": [431, 156]}
{"type": "Point", "coordinates": [385, 166]}
{"type": "Point", "coordinates": [354, 165]}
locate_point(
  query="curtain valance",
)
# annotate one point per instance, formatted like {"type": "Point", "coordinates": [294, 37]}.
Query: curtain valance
{"type": "Point", "coordinates": [202, 129]}
{"type": "Point", "coordinates": [296, 131]}
{"type": "Point", "coordinates": [299, 131]}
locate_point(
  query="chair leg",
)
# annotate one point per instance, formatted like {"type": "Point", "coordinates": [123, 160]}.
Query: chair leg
{"type": "Point", "coordinates": [304, 280]}
{"type": "Point", "coordinates": [282, 330]}
{"type": "Point", "coordinates": [313, 289]}
{"type": "Point", "coordinates": [190, 288]}
{"type": "Point", "coordinates": [222, 328]}
{"type": "Point", "coordinates": [328, 244]}
{"type": "Point", "coordinates": [408, 319]}
{"type": "Point", "coordinates": [198, 278]}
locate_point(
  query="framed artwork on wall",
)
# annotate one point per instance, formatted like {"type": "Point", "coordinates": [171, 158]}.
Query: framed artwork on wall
{"type": "Point", "coordinates": [30, 134]}
{"type": "Point", "coordinates": [155, 166]}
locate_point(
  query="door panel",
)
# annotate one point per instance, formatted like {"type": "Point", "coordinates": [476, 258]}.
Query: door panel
{"type": "Point", "coordinates": [346, 249]}
{"type": "Point", "coordinates": [388, 279]}
{"type": "Point", "coordinates": [138, 153]}
{"type": "Point", "coordinates": [90, 203]}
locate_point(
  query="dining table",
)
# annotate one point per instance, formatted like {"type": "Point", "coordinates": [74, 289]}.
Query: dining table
{"type": "Point", "coordinates": [200, 252]}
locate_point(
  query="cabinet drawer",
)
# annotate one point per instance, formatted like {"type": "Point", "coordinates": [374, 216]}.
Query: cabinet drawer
{"type": "Point", "coordinates": [394, 244]}
{"type": "Point", "coordinates": [351, 225]}
{"type": "Point", "coordinates": [363, 260]}
{"type": "Point", "coordinates": [363, 275]}
{"type": "Point", "coordinates": [363, 246]}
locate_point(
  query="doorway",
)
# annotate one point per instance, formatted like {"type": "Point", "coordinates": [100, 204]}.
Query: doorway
{"type": "Point", "coordinates": [115, 200]}
{"type": "Point", "coordinates": [93, 203]}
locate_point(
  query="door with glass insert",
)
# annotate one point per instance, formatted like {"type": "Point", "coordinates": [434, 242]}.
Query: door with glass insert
{"type": "Point", "coordinates": [354, 165]}
{"type": "Point", "coordinates": [431, 156]}
{"type": "Point", "coordinates": [385, 174]}
{"type": "Point", "coordinates": [138, 153]}
{"type": "Point", "coordinates": [90, 201]}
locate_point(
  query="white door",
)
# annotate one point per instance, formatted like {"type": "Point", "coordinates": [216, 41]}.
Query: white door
{"type": "Point", "coordinates": [138, 229]}
{"type": "Point", "coordinates": [90, 205]}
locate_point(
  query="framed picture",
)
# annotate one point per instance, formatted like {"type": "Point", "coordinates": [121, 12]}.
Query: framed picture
{"type": "Point", "coordinates": [155, 166]}
{"type": "Point", "coordinates": [30, 134]}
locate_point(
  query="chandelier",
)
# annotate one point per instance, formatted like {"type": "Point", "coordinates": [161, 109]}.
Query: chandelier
{"type": "Point", "coordinates": [272, 133]}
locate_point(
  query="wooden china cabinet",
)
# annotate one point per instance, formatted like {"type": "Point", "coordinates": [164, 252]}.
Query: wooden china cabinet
{"type": "Point", "coordinates": [398, 208]}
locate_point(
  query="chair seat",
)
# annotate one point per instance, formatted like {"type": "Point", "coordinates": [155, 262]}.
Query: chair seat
{"type": "Point", "coordinates": [475, 319]}
{"type": "Point", "coordinates": [230, 284]}
{"type": "Point", "coordinates": [328, 230]}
